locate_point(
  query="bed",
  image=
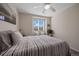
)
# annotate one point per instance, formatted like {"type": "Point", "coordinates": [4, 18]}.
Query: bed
{"type": "Point", "coordinates": [42, 45]}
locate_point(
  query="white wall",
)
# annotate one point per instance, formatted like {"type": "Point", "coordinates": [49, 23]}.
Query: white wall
{"type": "Point", "coordinates": [25, 22]}
{"type": "Point", "coordinates": [66, 26]}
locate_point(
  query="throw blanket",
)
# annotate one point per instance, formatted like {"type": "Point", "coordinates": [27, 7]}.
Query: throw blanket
{"type": "Point", "coordinates": [38, 46]}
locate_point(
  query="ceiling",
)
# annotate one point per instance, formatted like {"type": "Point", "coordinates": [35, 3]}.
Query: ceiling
{"type": "Point", "coordinates": [29, 8]}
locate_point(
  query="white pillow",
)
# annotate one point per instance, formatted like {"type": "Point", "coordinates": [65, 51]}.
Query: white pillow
{"type": "Point", "coordinates": [18, 34]}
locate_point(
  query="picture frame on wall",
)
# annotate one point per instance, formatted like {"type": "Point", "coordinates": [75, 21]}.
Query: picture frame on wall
{"type": "Point", "coordinates": [6, 16]}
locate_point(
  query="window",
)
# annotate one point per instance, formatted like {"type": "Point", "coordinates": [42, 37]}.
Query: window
{"type": "Point", "coordinates": [38, 25]}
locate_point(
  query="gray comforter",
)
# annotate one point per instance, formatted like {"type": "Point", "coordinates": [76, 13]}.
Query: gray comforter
{"type": "Point", "coordinates": [38, 46]}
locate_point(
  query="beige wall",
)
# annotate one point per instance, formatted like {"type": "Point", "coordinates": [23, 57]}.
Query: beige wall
{"type": "Point", "coordinates": [66, 26]}
{"type": "Point", "coordinates": [25, 22]}
{"type": "Point", "coordinates": [7, 26]}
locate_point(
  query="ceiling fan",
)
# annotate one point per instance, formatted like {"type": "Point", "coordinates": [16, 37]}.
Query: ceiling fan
{"type": "Point", "coordinates": [46, 6]}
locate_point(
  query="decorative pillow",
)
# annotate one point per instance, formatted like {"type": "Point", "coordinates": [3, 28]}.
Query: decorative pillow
{"type": "Point", "coordinates": [5, 40]}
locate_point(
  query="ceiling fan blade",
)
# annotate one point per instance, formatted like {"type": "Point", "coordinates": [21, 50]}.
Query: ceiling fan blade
{"type": "Point", "coordinates": [53, 9]}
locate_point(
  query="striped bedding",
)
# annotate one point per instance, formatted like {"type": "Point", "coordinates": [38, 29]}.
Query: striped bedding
{"type": "Point", "coordinates": [38, 46]}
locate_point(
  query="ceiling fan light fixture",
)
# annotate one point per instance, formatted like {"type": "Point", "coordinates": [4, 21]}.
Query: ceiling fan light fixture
{"type": "Point", "coordinates": [47, 6]}
{"type": "Point", "coordinates": [35, 7]}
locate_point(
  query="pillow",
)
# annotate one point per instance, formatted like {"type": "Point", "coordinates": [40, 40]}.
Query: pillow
{"type": "Point", "coordinates": [5, 40]}
{"type": "Point", "coordinates": [18, 34]}
{"type": "Point", "coordinates": [15, 37]}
